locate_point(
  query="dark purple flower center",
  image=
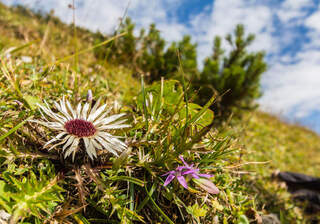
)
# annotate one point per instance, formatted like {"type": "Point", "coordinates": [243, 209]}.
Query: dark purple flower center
{"type": "Point", "coordinates": [80, 128]}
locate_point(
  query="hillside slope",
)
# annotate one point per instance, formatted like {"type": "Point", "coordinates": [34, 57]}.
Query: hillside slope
{"type": "Point", "coordinates": [52, 40]}
{"type": "Point", "coordinates": [287, 147]}
{"type": "Point", "coordinates": [264, 137]}
{"type": "Point", "coordinates": [283, 147]}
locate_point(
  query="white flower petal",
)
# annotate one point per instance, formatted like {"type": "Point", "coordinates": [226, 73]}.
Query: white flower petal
{"type": "Point", "coordinates": [66, 115]}
{"type": "Point", "coordinates": [89, 147]}
{"type": "Point", "coordinates": [108, 119]}
{"type": "Point", "coordinates": [105, 113]}
{"type": "Point", "coordinates": [114, 126]}
{"type": "Point", "coordinates": [50, 114]}
{"type": "Point", "coordinates": [71, 110]}
{"type": "Point", "coordinates": [72, 148]}
{"type": "Point", "coordinates": [42, 115]}
{"type": "Point", "coordinates": [117, 123]}
{"type": "Point", "coordinates": [100, 118]}
{"type": "Point", "coordinates": [96, 144]}
{"type": "Point", "coordinates": [86, 142]}
{"type": "Point", "coordinates": [91, 150]}
{"type": "Point", "coordinates": [85, 111]}
{"type": "Point", "coordinates": [52, 125]}
{"type": "Point", "coordinates": [57, 116]}
{"type": "Point", "coordinates": [106, 145]}
{"type": "Point", "coordinates": [95, 106]}
{"type": "Point", "coordinates": [64, 109]}
{"type": "Point", "coordinates": [60, 143]}
{"type": "Point", "coordinates": [110, 135]}
{"type": "Point", "coordinates": [55, 138]}
{"type": "Point", "coordinates": [71, 139]}
{"type": "Point", "coordinates": [94, 115]}
{"type": "Point", "coordinates": [116, 143]}
{"type": "Point", "coordinates": [78, 112]}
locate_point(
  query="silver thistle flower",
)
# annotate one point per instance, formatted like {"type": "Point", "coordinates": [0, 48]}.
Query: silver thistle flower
{"type": "Point", "coordinates": [90, 125]}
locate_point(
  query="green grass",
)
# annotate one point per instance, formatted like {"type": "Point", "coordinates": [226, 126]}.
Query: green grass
{"type": "Point", "coordinates": [262, 137]}
{"type": "Point", "coordinates": [287, 147]}
{"type": "Point", "coordinates": [272, 144]}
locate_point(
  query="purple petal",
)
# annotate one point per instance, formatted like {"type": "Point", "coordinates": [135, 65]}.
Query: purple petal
{"type": "Point", "coordinates": [195, 175]}
{"type": "Point", "coordinates": [205, 175]}
{"type": "Point", "coordinates": [184, 162]}
{"type": "Point", "coordinates": [189, 171]}
{"type": "Point", "coordinates": [169, 179]}
{"type": "Point", "coordinates": [180, 168]}
{"type": "Point", "coordinates": [170, 172]}
{"type": "Point", "coordinates": [182, 181]}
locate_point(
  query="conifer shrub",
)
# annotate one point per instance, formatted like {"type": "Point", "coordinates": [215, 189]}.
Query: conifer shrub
{"type": "Point", "coordinates": [146, 53]}
{"type": "Point", "coordinates": [234, 75]}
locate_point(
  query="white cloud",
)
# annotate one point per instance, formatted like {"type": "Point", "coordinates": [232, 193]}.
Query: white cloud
{"type": "Point", "coordinates": [292, 83]}
{"type": "Point", "coordinates": [94, 14]}
{"type": "Point", "coordinates": [296, 4]}
{"type": "Point", "coordinates": [293, 9]}
{"type": "Point", "coordinates": [294, 89]}
{"type": "Point", "coordinates": [145, 12]}
{"type": "Point", "coordinates": [104, 15]}
{"type": "Point", "coordinates": [222, 19]}
{"type": "Point", "coordinates": [313, 21]}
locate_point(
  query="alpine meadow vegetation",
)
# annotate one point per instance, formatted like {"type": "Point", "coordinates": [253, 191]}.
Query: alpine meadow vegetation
{"type": "Point", "coordinates": [122, 129]}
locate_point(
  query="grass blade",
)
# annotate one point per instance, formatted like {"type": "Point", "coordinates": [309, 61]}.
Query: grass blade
{"type": "Point", "coordinates": [129, 179]}
{"type": "Point", "coordinates": [85, 50]}
{"type": "Point", "coordinates": [16, 49]}
{"type": "Point", "coordinates": [157, 207]}
{"type": "Point", "coordinates": [184, 87]}
{"type": "Point", "coordinates": [12, 130]}
{"type": "Point", "coordinates": [144, 101]}
{"type": "Point", "coordinates": [144, 202]}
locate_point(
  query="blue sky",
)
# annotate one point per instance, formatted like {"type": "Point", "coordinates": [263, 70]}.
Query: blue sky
{"type": "Point", "coordinates": [288, 30]}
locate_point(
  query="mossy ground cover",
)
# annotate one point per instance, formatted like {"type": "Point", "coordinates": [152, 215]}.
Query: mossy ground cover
{"type": "Point", "coordinates": [245, 190]}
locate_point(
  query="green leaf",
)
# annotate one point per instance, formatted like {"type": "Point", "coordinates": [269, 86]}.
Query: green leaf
{"type": "Point", "coordinates": [5, 196]}
{"type": "Point", "coordinates": [161, 96]}
{"type": "Point", "coordinates": [243, 220]}
{"type": "Point", "coordinates": [80, 219]}
{"type": "Point", "coordinates": [129, 179]}
{"type": "Point", "coordinates": [32, 101]}
{"type": "Point", "coordinates": [197, 211]}
{"type": "Point", "coordinates": [121, 159]}
{"type": "Point", "coordinates": [30, 196]}
{"type": "Point", "coordinates": [202, 111]}
{"type": "Point", "coordinates": [204, 120]}
{"type": "Point", "coordinates": [216, 205]}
